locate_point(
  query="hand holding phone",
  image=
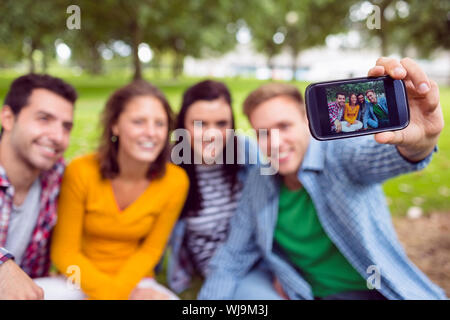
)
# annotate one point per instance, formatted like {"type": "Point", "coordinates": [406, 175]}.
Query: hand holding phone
{"type": "Point", "coordinates": [354, 107]}
{"type": "Point", "coordinates": [418, 139]}
{"type": "Point", "coordinates": [427, 121]}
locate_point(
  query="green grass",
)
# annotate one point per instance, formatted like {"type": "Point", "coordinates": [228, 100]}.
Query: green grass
{"type": "Point", "coordinates": [429, 188]}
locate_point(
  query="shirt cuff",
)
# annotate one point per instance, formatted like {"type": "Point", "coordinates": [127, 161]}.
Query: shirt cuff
{"type": "Point", "coordinates": [5, 255]}
{"type": "Point", "coordinates": [422, 163]}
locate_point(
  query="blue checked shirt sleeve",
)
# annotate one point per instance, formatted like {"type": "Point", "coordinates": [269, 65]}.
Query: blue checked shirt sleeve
{"type": "Point", "coordinates": [234, 259]}
{"type": "Point", "coordinates": [367, 161]}
{"type": "Point", "coordinates": [5, 255]}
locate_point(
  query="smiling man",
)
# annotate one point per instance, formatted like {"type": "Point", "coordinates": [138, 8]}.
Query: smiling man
{"type": "Point", "coordinates": [36, 122]}
{"type": "Point", "coordinates": [336, 112]}
{"type": "Point", "coordinates": [321, 228]}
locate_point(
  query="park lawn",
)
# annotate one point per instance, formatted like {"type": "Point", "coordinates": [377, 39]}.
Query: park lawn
{"type": "Point", "coordinates": [429, 189]}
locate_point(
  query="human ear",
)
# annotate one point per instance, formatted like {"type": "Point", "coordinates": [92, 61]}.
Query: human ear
{"type": "Point", "coordinates": [7, 118]}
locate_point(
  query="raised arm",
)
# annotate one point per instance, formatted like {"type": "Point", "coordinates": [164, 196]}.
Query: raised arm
{"type": "Point", "coordinates": [367, 161]}
{"type": "Point", "coordinates": [396, 152]}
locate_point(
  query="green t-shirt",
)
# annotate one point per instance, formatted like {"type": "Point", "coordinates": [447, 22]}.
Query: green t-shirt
{"type": "Point", "coordinates": [301, 236]}
{"type": "Point", "coordinates": [379, 112]}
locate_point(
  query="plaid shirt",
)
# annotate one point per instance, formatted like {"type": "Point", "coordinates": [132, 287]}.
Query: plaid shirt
{"type": "Point", "coordinates": [335, 112]}
{"type": "Point", "coordinates": [36, 259]}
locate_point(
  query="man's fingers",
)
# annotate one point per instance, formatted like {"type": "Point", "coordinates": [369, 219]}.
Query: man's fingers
{"type": "Point", "coordinates": [392, 67]}
{"type": "Point", "coordinates": [376, 71]}
{"type": "Point", "coordinates": [40, 293]}
{"type": "Point", "coordinates": [417, 76]}
{"type": "Point", "coordinates": [416, 82]}
{"type": "Point", "coordinates": [389, 137]}
{"type": "Point", "coordinates": [433, 96]}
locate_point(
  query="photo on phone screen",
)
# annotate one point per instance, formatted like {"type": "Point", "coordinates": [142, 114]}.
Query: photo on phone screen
{"type": "Point", "coordinates": [353, 107]}
{"type": "Point", "coordinates": [357, 106]}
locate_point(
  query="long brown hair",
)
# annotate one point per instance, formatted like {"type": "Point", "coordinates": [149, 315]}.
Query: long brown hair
{"type": "Point", "coordinates": [108, 149]}
{"type": "Point", "coordinates": [350, 99]}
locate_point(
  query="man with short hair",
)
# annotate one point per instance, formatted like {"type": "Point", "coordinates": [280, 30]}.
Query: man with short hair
{"type": "Point", "coordinates": [36, 121]}
{"type": "Point", "coordinates": [377, 110]}
{"type": "Point", "coordinates": [336, 112]}
{"type": "Point", "coordinates": [321, 229]}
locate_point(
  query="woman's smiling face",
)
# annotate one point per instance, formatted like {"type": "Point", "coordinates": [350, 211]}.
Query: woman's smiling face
{"type": "Point", "coordinates": [206, 122]}
{"type": "Point", "coordinates": [142, 129]}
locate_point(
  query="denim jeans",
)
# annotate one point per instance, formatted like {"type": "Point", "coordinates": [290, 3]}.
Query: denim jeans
{"type": "Point", "coordinates": [257, 285]}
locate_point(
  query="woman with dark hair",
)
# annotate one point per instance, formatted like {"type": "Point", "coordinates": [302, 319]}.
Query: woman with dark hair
{"type": "Point", "coordinates": [362, 106]}
{"type": "Point", "coordinates": [215, 179]}
{"type": "Point", "coordinates": [118, 206]}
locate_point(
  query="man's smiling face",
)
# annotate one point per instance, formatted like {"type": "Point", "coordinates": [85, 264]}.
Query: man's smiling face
{"type": "Point", "coordinates": [41, 130]}
{"type": "Point", "coordinates": [285, 115]}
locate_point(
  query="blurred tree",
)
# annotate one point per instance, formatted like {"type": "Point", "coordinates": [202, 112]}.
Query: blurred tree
{"type": "Point", "coordinates": [194, 28]}
{"type": "Point", "coordinates": [357, 88]}
{"type": "Point", "coordinates": [129, 22]}
{"type": "Point", "coordinates": [104, 23]}
{"type": "Point", "coordinates": [386, 28]}
{"type": "Point", "coordinates": [202, 28]}
{"type": "Point", "coordinates": [406, 24]}
{"type": "Point", "coordinates": [309, 22]}
{"type": "Point", "coordinates": [96, 30]}
{"type": "Point", "coordinates": [26, 27]}
{"type": "Point", "coordinates": [190, 28]}
{"type": "Point", "coordinates": [294, 25]}
{"type": "Point", "coordinates": [428, 26]}
{"type": "Point", "coordinates": [266, 18]}
{"type": "Point", "coordinates": [10, 51]}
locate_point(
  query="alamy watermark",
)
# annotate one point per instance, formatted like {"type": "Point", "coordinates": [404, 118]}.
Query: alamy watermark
{"type": "Point", "coordinates": [73, 22]}
{"type": "Point", "coordinates": [374, 280]}
{"type": "Point", "coordinates": [73, 281]}
{"type": "Point", "coordinates": [374, 19]}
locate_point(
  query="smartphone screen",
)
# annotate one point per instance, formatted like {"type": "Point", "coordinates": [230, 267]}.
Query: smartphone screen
{"type": "Point", "coordinates": [352, 107]}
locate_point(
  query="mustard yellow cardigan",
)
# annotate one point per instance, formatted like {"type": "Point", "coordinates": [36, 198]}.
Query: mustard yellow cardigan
{"type": "Point", "coordinates": [350, 116]}
{"type": "Point", "coordinates": [113, 249]}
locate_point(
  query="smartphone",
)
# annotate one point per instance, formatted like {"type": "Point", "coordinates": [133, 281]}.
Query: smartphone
{"type": "Point", "coordinates": [355, 107]}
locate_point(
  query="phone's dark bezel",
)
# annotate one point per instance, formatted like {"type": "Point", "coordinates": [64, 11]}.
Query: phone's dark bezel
{"type": "Point", "coordinates": [395, 94]}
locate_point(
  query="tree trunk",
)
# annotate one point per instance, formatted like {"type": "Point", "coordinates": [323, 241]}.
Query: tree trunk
{"type": "Point", "coordinates": [136, 34]}
{"type": "Point", "coordinates": [95, 65]}
{"type": "Point", "coordinates": [33, 48]}
{"type": "Point", "coordinates": [44, 61]}
{"type": "Point", "coordinates": [271, 65]}
{"type": "Point", "coordinates": [177, 66]}
{"type": "Point", "coordinates": [294, 64]}
{"type": "Point", "coordinates": [382, 31]}
{"type": "Point", "coordinates": [384, 44]}
{"type": "Point", "coordinates": [156, 64]}
{"type": "Point", "coordinates": [31, 66]}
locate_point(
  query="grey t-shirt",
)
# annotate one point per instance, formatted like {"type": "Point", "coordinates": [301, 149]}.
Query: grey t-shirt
{"type": "Point", "coordinates": [22, 223]}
